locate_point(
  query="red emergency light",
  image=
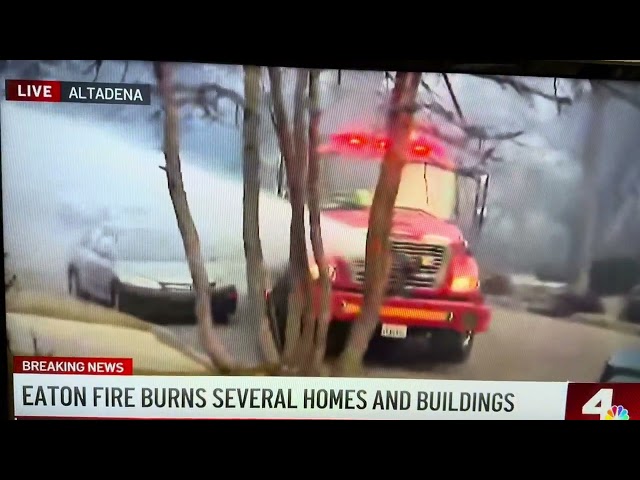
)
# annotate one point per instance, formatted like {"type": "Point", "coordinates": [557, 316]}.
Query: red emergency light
{"type": "Point", "coordinates": [375, 144]}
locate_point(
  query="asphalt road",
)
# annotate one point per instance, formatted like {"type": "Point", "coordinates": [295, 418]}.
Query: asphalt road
{"type": "Point", "coordinates": [518, 346]}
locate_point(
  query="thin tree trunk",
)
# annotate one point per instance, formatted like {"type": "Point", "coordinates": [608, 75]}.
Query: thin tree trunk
{"type": "Point", "coordinates": [378, 246]}
{"type": "Point", "coordinates": [588, 226]}
{"type": "Point", "coordinates": [297, 243]}
{"type": "Point", "coordinates": [313, 197]}
{"type": "Point", "coordinates": [257, 281]}
{"type": "Point", "coordinates": [299, 255]}
{"type": "Point", "coordinates": [214, 348]}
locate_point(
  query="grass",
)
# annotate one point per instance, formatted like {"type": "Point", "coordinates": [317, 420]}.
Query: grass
{"type": "Point", "coordinates": [93, 322]}
{"type": "Point", "coordinates": [35, 303]}
{"type": "Point", "coordinates": [69, 309]}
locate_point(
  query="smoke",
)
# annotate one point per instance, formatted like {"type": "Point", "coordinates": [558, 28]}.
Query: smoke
{"type": "Point", "coordinates": [65, 178]}
{"type": "Point", "coordinates": [60, 176]}
{"type": "Point", "coordinates": [534, 200]}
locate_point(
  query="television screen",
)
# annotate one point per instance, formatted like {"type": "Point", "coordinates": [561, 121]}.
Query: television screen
{"type": "Point", "coordinates": [191, 240]}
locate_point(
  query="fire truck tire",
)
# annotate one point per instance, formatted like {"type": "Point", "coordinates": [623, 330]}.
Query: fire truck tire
{"type": "Point", "coordinates": [278, 306]}
{"type": "Point", "coordinates": [453, 347]}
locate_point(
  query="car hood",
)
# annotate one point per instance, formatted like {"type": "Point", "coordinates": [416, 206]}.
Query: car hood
{"type": "Point", "coordinates": [167, 272]}
{"type": "Point", "coordinates": [407, 224]}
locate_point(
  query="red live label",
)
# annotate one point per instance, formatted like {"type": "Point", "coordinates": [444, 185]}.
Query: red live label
{"type": "Point", "coordinates": [33, 90]}
{"type": "Point", "coordinates": [603, 401]}
{"type": "Point", "coordinates": [73, 366]}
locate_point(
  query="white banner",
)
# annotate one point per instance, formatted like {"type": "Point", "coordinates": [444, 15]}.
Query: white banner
{"type": "Point", "coordinates": [90, 396]}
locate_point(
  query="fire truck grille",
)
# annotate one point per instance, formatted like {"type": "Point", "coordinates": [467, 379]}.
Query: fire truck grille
{"type": "Point", "coordinates": [416, 265]}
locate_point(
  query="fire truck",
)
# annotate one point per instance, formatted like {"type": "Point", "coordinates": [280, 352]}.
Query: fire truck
{"type": "Point", "coordinates": [433, 289]}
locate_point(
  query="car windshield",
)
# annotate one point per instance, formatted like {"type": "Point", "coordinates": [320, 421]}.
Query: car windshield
{"type": "Point", "coordinates": [142, 245]}
{"type": "Point", "coordinates": [350, 184]}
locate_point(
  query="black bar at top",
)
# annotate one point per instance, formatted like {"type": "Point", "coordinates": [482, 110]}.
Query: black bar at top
{"type": "Point", "coordinates": [105, 93]}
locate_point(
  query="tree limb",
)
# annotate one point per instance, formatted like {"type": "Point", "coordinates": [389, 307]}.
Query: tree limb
{"type": "Point", "coordinates": [190, 238]}
{"type": "Point", "coordinates": [454, 99]}
{"type": "Point", "coordinates": [378, 247]}
{"type": "Point", "coordinates": [313, 195]}
{"type": "Point", "coordinates": [471, 131]}
{"type": "Point", "coordinates": [257, 281]}
{"type": "Point", "coordinates": [523, 89]}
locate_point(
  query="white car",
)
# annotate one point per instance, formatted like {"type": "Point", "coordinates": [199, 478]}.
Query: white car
{"type": "Point", "coordinates": [143, 271]}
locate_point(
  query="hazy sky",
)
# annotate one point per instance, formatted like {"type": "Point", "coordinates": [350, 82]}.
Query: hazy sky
{"type": "Point", "coordinates": [50, 167]}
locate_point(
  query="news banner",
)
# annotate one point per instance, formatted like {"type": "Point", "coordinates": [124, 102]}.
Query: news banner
{"type": "Point", "coordinates": [106, 388]}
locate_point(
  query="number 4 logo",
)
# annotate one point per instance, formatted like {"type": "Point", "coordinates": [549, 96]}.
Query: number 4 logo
{"type": "Point", "coordinates": [599, 404]}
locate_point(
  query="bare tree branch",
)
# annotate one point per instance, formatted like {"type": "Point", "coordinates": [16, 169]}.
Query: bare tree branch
{"type": "Point", "coordinates": [315, 228]}
{"type": "Point", "coordinates": [429, 90]}
{"type": "Point", "coordinates": [523, 89]}
{"type": "Point", "coordinates": [125, 71]}
{"type": "Point", "coordinates": [454, 99]}
{"type": "Point", "coordinates": [95, 66]}
{"type": "Point", "coordinates": [214, 348]}
{"type": "Point", "coordinates": [207, 97]}
{"type": "Point", "coordinates": [477, 132]}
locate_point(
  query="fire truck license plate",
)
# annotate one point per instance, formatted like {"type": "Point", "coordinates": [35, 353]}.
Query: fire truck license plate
{"type": "Point", "coordinates": [393, 331]}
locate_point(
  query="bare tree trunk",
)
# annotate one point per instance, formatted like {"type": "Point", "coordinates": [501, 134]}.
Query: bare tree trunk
{"type": "Point", "coordinates": [378, 246]}
{"type": "Point", "coordinates": [588, 226]}
{"type": "Point", "coordinates": [296, 175]}
{"type": "Point", "coordinates": [257, 281]}
{"type": "Point", "coordinates": [214, 348]}
{"type": "Point", "coordinates": [299, 254]}
{"type": "Point", "coordinates": [313, 197]}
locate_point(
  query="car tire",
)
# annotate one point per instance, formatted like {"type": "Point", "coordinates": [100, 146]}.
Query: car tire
{"type": "Point", "coordinates": [73, 284]}
{"type": "Point", "coordinates": [453, 347]}
{"type": "Point", "coordinates": [224, 304]}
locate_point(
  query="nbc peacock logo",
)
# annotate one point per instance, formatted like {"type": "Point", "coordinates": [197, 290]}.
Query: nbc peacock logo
{"type": "Point", "coordinates": [617, 412]}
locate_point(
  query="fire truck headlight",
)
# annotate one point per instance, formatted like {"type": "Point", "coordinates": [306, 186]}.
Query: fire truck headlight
{"type": "Point", "coordinates": [464, 283]}
{"type": "Point", "coordinates": [315, 272]}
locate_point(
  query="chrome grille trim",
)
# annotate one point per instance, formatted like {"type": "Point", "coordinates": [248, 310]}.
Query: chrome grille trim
{"type": "Point", "coordinates": [426, 276]}
{"type": "Point", "coordinates": [183, 287]}
{"type": "Point", "coordinates": [177, 286]}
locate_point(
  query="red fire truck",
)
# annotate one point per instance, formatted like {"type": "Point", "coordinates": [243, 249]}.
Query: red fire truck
{"type": "Point", "coordinates": [433, 289]}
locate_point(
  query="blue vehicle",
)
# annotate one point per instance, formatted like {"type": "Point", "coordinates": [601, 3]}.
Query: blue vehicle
{"type": "Point", "coordinates": [622, 367]}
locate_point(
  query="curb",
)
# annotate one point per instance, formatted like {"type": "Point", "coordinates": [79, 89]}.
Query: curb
{"type": "Point", "coordinates": [603, 322]}
{"type": "Point", "coordinates": [594, 320]}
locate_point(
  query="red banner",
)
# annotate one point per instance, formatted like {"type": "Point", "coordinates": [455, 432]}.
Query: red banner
{"type": "Point", "coordinates": [603, 401]}
{"type": "Point", "coordinates": [73, 365]}
{"type": "Point", "coordinates": [33, 90]}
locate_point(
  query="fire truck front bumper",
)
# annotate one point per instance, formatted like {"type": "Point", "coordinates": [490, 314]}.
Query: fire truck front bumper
{"type": "Point", "coordinates": [458, 315]}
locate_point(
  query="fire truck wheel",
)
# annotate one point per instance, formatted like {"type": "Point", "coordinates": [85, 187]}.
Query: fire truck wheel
{"type": "Point", "coordinates": [337, 337]}
{"type": "Point", "coordinates": [278, 306]}
{"type": "Point", "coordinates": [451, 346]}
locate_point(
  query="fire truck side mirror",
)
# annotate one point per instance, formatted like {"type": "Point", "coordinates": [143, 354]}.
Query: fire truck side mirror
{"type": "Point", "coordinates": [481, 199]}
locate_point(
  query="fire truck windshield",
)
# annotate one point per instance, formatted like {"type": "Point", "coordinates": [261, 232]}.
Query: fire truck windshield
{"type": "Point", "coordinates": [350, 184]}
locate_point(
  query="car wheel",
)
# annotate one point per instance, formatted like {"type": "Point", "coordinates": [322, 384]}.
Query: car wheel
{"type": "Point", "coordinates": [115, 296]}
{"type": "Point", "coordinates": [451, 346]}
{"type": "Point", "coordinates": [278, 304]}
{"type": "Point", "coordinates": [74, 284]}
{"type": "Point", "coordinates": [337, 337]}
